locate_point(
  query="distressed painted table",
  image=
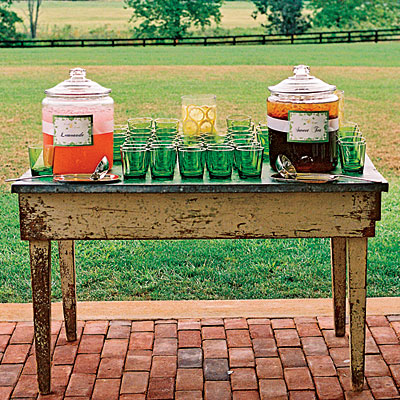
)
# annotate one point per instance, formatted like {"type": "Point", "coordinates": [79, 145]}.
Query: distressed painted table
{"type": "Point", "coordinates": [346, 212]}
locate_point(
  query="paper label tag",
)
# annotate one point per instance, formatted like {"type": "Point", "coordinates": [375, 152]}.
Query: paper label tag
{"type": "Point", "coordinates": [308, 126]}
{"type": "Point", "coordinates": [73, 130]}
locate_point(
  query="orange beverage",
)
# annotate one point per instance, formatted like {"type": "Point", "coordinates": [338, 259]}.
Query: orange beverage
{"type": "Point", "coordinates": [82, 159]}
{"type": "Point", "coordinates": [78, 118]}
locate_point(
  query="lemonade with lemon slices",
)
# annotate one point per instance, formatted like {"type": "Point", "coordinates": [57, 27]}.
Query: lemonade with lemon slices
{"type": "Point", "coordinates": [199, 114]}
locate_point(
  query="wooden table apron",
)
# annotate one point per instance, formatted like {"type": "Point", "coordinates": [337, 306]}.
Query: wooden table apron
{"type": "Point", "coordinates": [345, 213]}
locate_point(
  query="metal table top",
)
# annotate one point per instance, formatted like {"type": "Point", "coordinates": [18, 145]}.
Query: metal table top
{"type": "Point", "coordinates": [266, 184]}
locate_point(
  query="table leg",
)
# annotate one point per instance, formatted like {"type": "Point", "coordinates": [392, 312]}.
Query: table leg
{"type": "Point", "coordinates": [357, 267]}
{"type": "Point", "coordinates": [338, 263]}
{"type": "Point", "coordinates": [66, 250]}
{"type": "Point", "coordinates": [41, 290]}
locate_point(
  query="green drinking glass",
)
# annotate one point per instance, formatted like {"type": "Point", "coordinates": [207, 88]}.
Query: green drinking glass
{"type": "Point", "coordinates": [132, 139]}
{"type": "Point", "coordinates": [352, 153]}
{"type": "Point", "coordinates": [41, 159]}
{"type": "Point", "coordinates": [191, 161]}
{"type": "Point", "coordinates": [140, 123]}
{"type": "Point", "coordinates": [166, 123]}
{"type": "Point", "coordinates": [219, 161]}
{"type": "Point", "coordinates": [162, 160]}
{"type": "Point", "coordinates": [165, 137]}
{"type": "Point", "coordinates": [140, 132]}
{"type": "Point", "coordinates": [240, 130]}
{"type": "Point", "coordinates": [249, 161]}
{"type": "Point", "coordinates": [215, 139]}
{"type": "Point", "coordinates": [166, 131]}
{"type": "Point", "coordinates": [135, 161]}
{"type": "Point", "coordinates": [349, 129]}
{"type": "Point", "coordinates": [187, 140]}
{"type": "Point", "coordinates": [242, 138]}
{"type": "Point", "coordinates": [263, 138]}
{"type": "Point", "coordinates": [238, 120]}
{"type": "Point", "coordinates": [120, 132]}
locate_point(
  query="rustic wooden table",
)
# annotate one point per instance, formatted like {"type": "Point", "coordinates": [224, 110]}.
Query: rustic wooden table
{"type": "Point", "coordinates": [343, 211]}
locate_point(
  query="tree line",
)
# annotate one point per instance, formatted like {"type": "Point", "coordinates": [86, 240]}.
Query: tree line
{"type": "Point", "coordinates": [176, 18]}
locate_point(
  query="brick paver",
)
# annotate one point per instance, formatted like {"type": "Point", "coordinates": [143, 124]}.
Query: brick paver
{"type": "Point", "coordinates": [138, 360]}
{"type": "Point", "coordinates": [213, 332]}
{"type": "Point", "coordinates": [268, 368]}
{"type": "Point", "coordinates": [106, 389]}
{"type": "Point", "coordinates": [211, 358]}
{"type": "Point", "coordinates": [216, 369]}
{"type": "Point", "coordinates": [188, 324]}
{"type": "Point", "coordinates": [190, 358]}
{"type": "Point", "coordinates": [189, 339]}
{"type": "Point", "coordinates": [163, 367]}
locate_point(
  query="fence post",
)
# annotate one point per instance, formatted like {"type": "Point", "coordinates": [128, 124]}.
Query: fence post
{"type": "Point", "coordinates": [349, 37]}
{"type": "Point", "coordinates": [320, 37]}
{"type": "Point", "coordinates": [264, 39]}
{"type": "Point", "coordinates": [234, 41]}
{"type": "Point", "coordinates": [292, 38]}
{"type": "Point", "coordinates": [144, 42]}
{"type": "Point", "coordinates": [205, 41]}
{"type": "Point", "coordinates": [376, 36]}
{"type": "Point", "coordinates": [112, 42]}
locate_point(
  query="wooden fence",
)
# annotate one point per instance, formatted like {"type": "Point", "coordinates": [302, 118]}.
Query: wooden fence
{"type": "Point", "coordinates": [374, 35]}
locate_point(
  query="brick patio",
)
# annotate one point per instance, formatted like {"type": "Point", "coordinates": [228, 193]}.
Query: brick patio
{"type": "Point", "coordinates": [210, 358]}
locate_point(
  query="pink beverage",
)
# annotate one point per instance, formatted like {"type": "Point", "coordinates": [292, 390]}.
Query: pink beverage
{"type": "Point", "coordinates": [78, 118]}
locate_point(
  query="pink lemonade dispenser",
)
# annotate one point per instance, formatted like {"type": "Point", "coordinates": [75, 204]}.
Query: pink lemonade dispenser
{"type": "Point", "coordinates": [78, 118]}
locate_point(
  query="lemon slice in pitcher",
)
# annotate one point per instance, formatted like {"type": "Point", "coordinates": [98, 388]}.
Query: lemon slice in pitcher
{"type": "Point", "coordinates": [206, 127]}
{"type": "Point", "coordinates": [190, 127]}
{"type": "Point", "coordinates": [196, 113]}
{"type": "Point", "coordinates": [211, 113]}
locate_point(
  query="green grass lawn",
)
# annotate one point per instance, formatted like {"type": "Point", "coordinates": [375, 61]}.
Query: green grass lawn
{"type": "Point", "coordinates": [356, 54]}
{"type": "Point", "coordinates": [150, 82]}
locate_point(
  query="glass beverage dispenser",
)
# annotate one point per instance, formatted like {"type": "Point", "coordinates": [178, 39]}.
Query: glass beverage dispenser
{"type": "Point", "coordinates": [303, 122]}
{"type": "Point", "coordinates": [78, 118]}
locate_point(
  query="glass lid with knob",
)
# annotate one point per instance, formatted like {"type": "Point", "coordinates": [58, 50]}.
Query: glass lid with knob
{"type": "Point", "coordinates": [302, 83]}
{"type": "Point", "coordinates": [78, 85]}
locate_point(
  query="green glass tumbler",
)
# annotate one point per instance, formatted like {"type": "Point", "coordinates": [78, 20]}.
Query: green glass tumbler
{"type": "Point", "coordinates": [136, 139]}
{"type": "Point", "coordinates": [162, 160]}
{"type": "Point", "coordinates": [191, 161]}
{"type": "Point", "coordinates": [349, 129]}
{"type": "Point", "coordinates": [352, 153]}
{"type": "Point", "coordinates": [211, 139]}
{"type": "Point", "coordinates": [240, 130]}
{"type": "Point", "coordinates": [249, 161]}
{"type": "Point", "coordinates": [135, 161]}
{"type": "Point", "coordinates": [140, 123]}
{"type": "Point", "coordinates": [120, 132]}
{"type": "Point", "coordinates": [236, 120]}
{"type": "Point", "coordinates": [166, 135]}
{"type": "Point", "coordinates": [263, 138]}
{"type": "Point", "coordinates": [242, 138]}
{"type": "Point", "coordinates": [191, 140]}
{"type": "Point", "coordinates": [41, 159]}
{"type": "Point", "coordinates": [166, 123]}
{"type": "Point", "coordinates": [219, 161]}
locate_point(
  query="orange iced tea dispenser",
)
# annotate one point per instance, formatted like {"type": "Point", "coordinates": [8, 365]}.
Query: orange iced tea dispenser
{"type": "Point", "coordinates": [78, 118]}
{"type": "Point", "coordinates": [303, 122]}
